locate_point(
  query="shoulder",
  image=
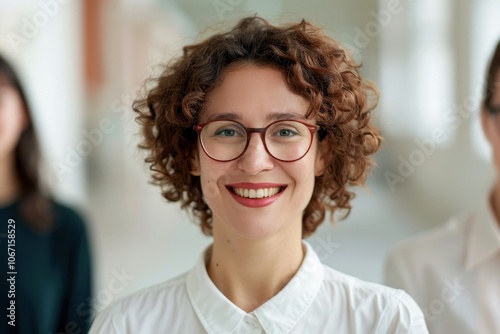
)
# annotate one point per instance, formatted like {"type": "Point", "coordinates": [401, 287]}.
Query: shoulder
{"type": "Point", "coordinates": [70, 226]}
{"type": "Point", "coordinates": [416, 264]}
{"type": "Point", "coordinates": [67, 212]}
{"type": "Point", "coordinates": [360, 292]}
{"type": "Point", "coordinates": [152, 297]}
{"type": "Point", "coordinates": [68, 216]}
{"type": "Point", "coordinates": [148, 307]}
{"type": "Point", "coordinates": [445, 240]}
{"type": "Point", "coordinates": [388, 309]}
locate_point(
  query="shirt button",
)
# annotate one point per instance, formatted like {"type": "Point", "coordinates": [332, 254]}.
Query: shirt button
{"type": "Point", "coordinates": [251, 326]}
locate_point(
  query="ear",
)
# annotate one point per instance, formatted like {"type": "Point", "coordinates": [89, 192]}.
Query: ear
{"type": "Point", "coordinates": [195, 163]}
{"type": "Point", "coordinates": [321, 158]}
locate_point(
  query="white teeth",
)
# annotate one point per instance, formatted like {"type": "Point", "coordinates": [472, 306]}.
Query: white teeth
{"type": "Point", "coordinates": [257, 193]}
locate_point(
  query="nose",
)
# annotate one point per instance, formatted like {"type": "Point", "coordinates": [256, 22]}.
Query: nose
{"type": "Point", "coordinates": [255, 159]}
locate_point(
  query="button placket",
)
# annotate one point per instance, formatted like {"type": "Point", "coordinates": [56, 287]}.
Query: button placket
{"type": "Point", "coordinates": [251, 325]}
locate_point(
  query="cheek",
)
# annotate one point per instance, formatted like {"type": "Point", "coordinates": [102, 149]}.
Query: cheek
{"type": "Point", "coordinates": [493, 135]}
{"type": "Point", "coordinates": [304, 175]}
{"type": "Point", "coordinates": [496, 154]}
{"type": "Point", "coordinates": [11, 111]}
{"type": "Point", "coordinates": [11, 128]}
{"type": "Point", "coordinates": [209, 188]}
{"type": "Point", "coordinates": [213, 176]}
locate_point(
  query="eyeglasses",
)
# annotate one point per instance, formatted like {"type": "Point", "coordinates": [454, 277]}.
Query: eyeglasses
{"type": "Point", "coordinates": [284, 140]}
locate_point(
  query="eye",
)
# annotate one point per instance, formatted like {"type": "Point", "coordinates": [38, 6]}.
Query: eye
{"type": "Point", "coordinates": [286, 133]}
{"type": "Point", "coordinates": [223, 130]}
{"type": "Point", "coordinates": [226, 133]}
{"type": "Point", "coordinates": [286, 130]}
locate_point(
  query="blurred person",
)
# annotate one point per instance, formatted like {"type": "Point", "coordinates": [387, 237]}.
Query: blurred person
{"type": "Point", "coordinates": [453, 271]}
{"type": "Point", "coordinates": [42, 242]}
{"type": "Point", "coordinates": [258, 131]}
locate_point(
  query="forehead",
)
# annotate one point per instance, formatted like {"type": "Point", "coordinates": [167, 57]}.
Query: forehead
{"type": "Point", "coordinates": [249, 91]}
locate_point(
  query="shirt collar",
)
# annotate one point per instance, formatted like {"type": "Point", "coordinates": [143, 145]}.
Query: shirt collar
{"type": "Point", "coordinates": [278, 315]}
{"type": "Point", "coordinates": [482, 236]}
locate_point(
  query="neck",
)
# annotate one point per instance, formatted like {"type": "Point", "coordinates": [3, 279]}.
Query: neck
{"type": "Point", "coordinates": [9, 186]}
{"type": "Point", "coordinates": [250, 272]}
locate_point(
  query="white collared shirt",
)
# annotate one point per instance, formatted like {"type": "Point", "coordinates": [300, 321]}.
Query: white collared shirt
{"type": "Point", "coordinates": [317, 299]}
{"type": "Point", "coordinates": [453, 272]}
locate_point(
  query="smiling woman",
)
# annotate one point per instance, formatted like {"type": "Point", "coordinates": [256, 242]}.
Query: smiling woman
{"type": "Point", "coordinates": [259, 131]}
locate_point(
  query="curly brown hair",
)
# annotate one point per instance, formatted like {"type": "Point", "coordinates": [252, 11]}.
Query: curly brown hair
{"type": "Point", "coordinates": [491, 75]}
{"type": "Point", "coordinates": [315, 67]}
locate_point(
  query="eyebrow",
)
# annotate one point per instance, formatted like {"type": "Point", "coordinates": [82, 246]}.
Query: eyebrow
{"type": "Point", "coordinates": [271, 117]}
{"type": "Point", "coordinates": [284, 115]}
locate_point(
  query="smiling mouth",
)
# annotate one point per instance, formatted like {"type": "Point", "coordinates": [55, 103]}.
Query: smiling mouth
{"type": "Point", "coordinates": [256, 193]}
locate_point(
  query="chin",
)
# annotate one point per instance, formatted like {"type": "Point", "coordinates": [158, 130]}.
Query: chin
{"type": "Point", "coordinates": [254, 228]}
{"type": "Point", "coordinates": [260, 228]}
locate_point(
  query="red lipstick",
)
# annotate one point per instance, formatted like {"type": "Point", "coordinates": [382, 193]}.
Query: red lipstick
{"type": "Point", "coordinates": [255, 202]}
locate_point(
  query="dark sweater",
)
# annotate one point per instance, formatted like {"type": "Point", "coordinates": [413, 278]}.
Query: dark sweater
{"type": "Point", "coordinates": [53, 274]}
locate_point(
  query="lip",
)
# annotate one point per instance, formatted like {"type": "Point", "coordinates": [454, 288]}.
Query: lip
{"type": "Point", "coordinates": [255, 202]}
{"type": "Point", "coordinates": [249, 185]}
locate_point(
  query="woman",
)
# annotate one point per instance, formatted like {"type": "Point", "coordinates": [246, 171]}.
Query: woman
{"type": "Point", "coordinates": [45, 253]}
{"type": "Point", "coordinates": [258, 131]}
{"type": "Point", "coordinates": [453, 271]}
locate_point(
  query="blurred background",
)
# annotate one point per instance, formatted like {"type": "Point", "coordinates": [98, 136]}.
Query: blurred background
{"type": "Point", "coordinates": [82, 63]}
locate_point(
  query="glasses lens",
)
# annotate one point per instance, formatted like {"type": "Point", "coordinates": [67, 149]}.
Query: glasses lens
{"type": "Point", "coordinates": [285, 140]}
{"type": "Point", "coordinates": [223, 140]}
{"type": "Point", "coordinates": [288, 140]}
